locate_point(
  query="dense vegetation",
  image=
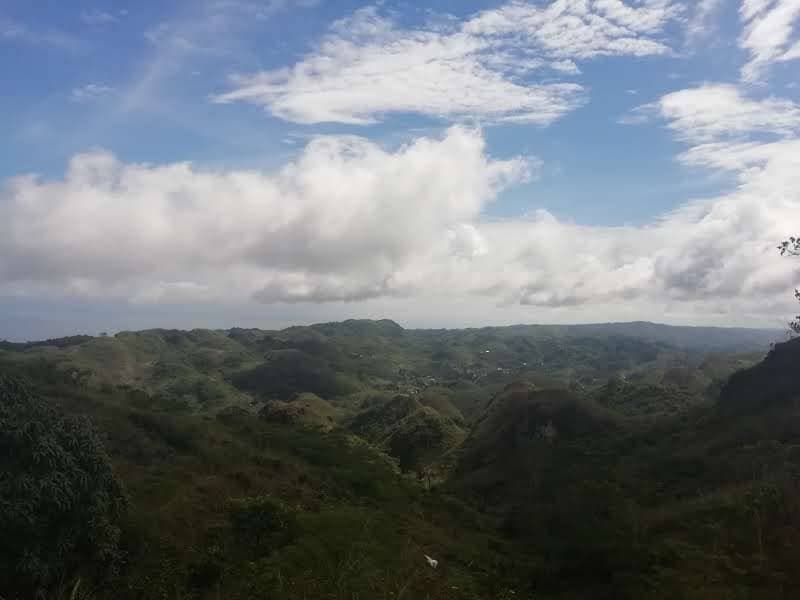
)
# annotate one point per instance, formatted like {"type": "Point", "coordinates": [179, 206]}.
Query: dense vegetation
{"type": "Point", "coordinates": [60, 502]}
{"type": "Point", "coordinates": [613, 461]}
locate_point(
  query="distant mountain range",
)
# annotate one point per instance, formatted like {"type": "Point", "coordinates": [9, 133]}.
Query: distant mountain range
{"type": "Point", "coordinates": [709, 339]}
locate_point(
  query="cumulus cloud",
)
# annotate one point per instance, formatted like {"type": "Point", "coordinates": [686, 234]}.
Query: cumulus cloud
{"type": "Point", "coordinates": [343, 221]}
{"type": "Point", "coordinates": [367, 66]}
{"type": "Point", "coordinates": [351, 221]}
{"type": "Point", "coordinates": [724, 247]}
{"type": "Point", "coordinates": [768, 29]}
{"type": "Point", "coordinates": [708, 252]}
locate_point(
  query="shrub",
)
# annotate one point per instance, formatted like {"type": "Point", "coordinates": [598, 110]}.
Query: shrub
{"type": "Point", "coordinates": [60, 502]}
{"type": "Point", "coordinates": [261, 524]}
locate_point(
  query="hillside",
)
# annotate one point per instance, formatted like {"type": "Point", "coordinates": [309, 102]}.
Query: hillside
{"type": "Point", "coordinates": [518, 430]}
{"type": "Point", "coordinates": [323, 462]}
{"type": "Point", "coordinates": [416, 435]}
{"type": "Point", "coordinates": [772, 383]}
{"type": "Point", "coordinates": [204, 494]}
{"type": "Point", "coordinates": [211, 369]}
{"type": "Point", "coordinates": [306, 410]}
{"type": "Point", "coordinates": [700, 505]}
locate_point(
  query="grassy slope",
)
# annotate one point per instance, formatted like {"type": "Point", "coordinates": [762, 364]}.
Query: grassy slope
{"type": "Point", "coordinates": [361, 528]}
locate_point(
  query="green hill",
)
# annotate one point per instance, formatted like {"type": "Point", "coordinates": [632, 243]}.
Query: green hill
{"type": "Point", "coordinates": [517, 433]}
{"type": "Point", "coordinates": [702, 504]}
{"type": "Point", "coordinates": [307, 410]}
{"type": "Point", "coordinates": [651, 401]}
{"type": "Point", "coordinates": [416, 435]}
{"type": "Point", "coordinates": [550, 463]}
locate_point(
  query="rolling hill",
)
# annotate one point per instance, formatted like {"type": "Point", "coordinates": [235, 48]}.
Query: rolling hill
{"type": "Point", "coordinates": [621, 461]}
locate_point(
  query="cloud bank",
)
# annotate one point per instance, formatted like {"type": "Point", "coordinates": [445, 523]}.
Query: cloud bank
{"type": "Point", "coordinates": [346, 220]}
{"type": "Point", "coordinates": [349, 220]}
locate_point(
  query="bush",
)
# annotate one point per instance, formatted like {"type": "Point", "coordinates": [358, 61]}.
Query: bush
{"type": "Point", "coordinates": [60, 502]}
{"type": "Point", "coordinates": [261, 524]}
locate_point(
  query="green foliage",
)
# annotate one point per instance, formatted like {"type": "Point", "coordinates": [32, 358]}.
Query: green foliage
{"type": "Point", "coordinates": [771, 383]}
{"type": "Point", "coordinates": [261, 524]}
{"type": "Point", "coordinates": [442, 401]}
{"type": "Point", "coordinates": [60, 502]}
{"type": "Point", "coordinates": [416, 435]}
{"type": "Point", "coordinates": [165, 428]}
{"type": "Point", "coordinates": [652, 401]}
{"type": "Point", "coordinates": [307, 410]}
{"type": "Point", "coordinates": [64, 342]}
{"type": "Point", "coordinates": [421, 438]}
{"type": "Point", "coordinates": [289, 372]}
{"type": "Point", "coordinates": [703, 504]}
{"type": "Point", "coordinates": [372, 424]}
{"type": "Point", "coordinates": [791, 247]}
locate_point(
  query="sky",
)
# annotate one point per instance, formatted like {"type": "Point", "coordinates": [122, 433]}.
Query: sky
{"type": "Point", "coordinates": [448, 163]}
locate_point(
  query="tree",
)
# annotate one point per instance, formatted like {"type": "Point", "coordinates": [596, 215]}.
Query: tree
{"type": "Point", "coordinates": [261, 524]}
{"type": "Point", "coordinates": [60, 502]}
{"type": "Point", "coordinates": [791, 247]}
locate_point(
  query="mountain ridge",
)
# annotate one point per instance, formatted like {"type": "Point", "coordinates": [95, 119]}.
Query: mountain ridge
{"type": "Point", "coordinates": [761, 337]}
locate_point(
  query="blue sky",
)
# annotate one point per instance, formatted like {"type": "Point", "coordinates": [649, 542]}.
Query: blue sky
{"type": "Point", "coordinates": [299, 160]}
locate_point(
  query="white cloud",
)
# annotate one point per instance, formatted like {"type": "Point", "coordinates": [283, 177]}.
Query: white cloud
{"type": "Point", "coordinates": [753, 8]}
{"type": "Point", "coordinates": [565, 66]}
{"type": "Point", "coordinates": [792, 53]}
{"type": "Point", "coordinates": [15, 31]}
{"type": "Point", "coordinates": [580, 29]}
{"type": "Point", "coordinates": [724, 247]}
{"type": "Point", "coordinates": [99, 18]}
{"type": "Point", "coordinates": [350, 221]}
{"type": "Point", "coordinates": [738, 157]}
{"type": "Point", "coordinates": [714, 111]}
{"type": "Point", "coordinates": [344, 221]}
{"type": "Point", "coordinates": [649, 16]}
{"type": "Point", "coordinates": [366, 66]}
{"type": "Point", "coordinates": [768, 29]}
{"type": "Point", "coordinates": [90, 92]}
{"type": "Point", "coordinates": [703, 255]}
{"type": "Point", "coordinates": [701, 23]}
